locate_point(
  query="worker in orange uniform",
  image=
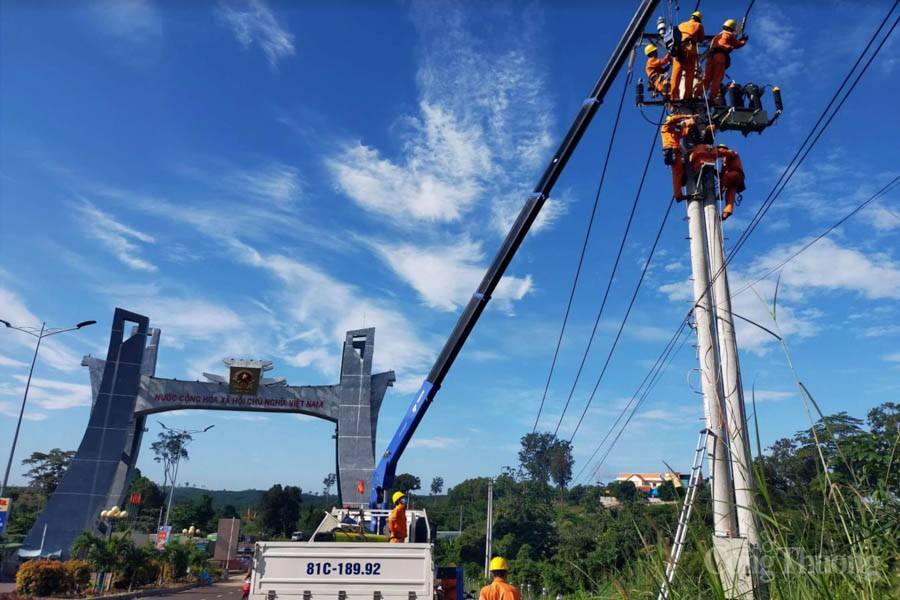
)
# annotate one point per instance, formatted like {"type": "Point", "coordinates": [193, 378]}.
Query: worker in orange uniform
{"type": "Point", "coordinates": [498, 589]}
{"type": "Point", "coordinates": [397, 520]}
{"type": "Point", "coordinates": [683, 68]}
{"type": "Point", "coordinates": [656, 68]}
{"type": "Point", "coordinates": [672, 131]}
{"type": "Point", "coordinates": [720, 57]}
{"type": "Point", "coordinates": [731, 178]}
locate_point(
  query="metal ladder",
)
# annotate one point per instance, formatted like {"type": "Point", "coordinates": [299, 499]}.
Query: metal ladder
{"type": "Point", "coordinates": [681, 532]}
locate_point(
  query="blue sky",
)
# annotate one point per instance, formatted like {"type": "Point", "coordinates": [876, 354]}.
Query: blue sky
{"type": "Point", "coordinates": [259, 177]}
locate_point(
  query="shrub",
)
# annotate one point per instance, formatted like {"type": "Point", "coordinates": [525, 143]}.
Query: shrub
{"type": "Point", "coordinates": [42, 578]}
{"type": "Point", "coordinates": [78, 574]}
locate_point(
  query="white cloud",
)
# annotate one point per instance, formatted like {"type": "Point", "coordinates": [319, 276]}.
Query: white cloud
{"type": "Point", "coordinates": [459, 269]}
{"type": "Point", "coordinates": [766, 395]}
{"type": "Point", "coordinates": [11, 409]}
{"type": "Point", "coordinates": [134, 21]}
{"type": "Point", "coordinates": [428, 187]}
{"type": "Point", "coordinates": [121, 240]}
{"type": "Point", "coordinates": [777, 55]}
{"type": "Point", "coordinates": [276, 182]}
{"type": "Point", "coordinates": [53, 352]}
{"type": "Point", "coordinates": [5, 361]}
{"type": "Point", "coordinates": [435, 442]}
{"type": "Point", "coordinates": [892, 358]}
{"type": "Point", "coordinates": [466, 144]}
{"type": "Point", "coordinates": [51, 394]}
{"type": "Point", "coordinates": [826, 265]}
{"type": "Point", "coordinates": [243, 417]}
{"type": "Point", "coordinates": [253, 21]}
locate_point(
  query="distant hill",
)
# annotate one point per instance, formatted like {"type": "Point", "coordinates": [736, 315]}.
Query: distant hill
{"type": "Point", "coordinates": [241, 499]}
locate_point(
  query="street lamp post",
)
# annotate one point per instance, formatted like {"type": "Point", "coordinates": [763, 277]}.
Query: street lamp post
{"type": "Point", "coordinates": [184, 437]}
{"type": "Point", "coordinates": [111, 516]}
{"type": "Point", "coordinates": [40, 335]}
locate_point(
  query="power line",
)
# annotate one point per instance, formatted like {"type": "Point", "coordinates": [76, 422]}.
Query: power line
{"type": "Point", "coordinates": [773, 195]}
{"type": "Point", "coordinates": [657, 365]}
{"type": "Point", "coordinates": [806, 246]}
{"type": "Point", "coordinates": [637, 289]}
{"type": "Point", "coordinates": [587, 236]}
{"type": "Point", "coordinates": [637, 406]}
{"type": "Point", "coordinates": [792, 168]}
{"type": "Point", "coordinates": [611, 276]}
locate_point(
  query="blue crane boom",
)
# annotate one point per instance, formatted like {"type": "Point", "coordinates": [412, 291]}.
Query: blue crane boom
{"type": "Point", "coordinates": [383, 477]}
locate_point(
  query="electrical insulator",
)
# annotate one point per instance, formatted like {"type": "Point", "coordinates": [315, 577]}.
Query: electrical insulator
{"type": "Point", "coordinates": [639, 93]}
{"type": "Point", "coordinates": [736, 95]}
{"type": "Point", "coordinates": [661, 26]}
{"type": "Point", "coordinates": [753, 96]}
{"type": "Point", "coordinates": [776, 95]}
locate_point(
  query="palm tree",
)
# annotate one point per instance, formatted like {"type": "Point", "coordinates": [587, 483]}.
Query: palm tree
{"type": "Point", "coordinates": [84, 544]}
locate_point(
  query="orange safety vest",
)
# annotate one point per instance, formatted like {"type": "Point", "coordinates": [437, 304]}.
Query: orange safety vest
{"type": "Point", "coordinates": [656, 67]}
{"type": "Point", "coordinates": [726, 41]}
{"type": "Point", "coordinates": [397, 524]}
{"type": "Point", "coordinates": [500, 590]}
{"type": "Point", "coordinates": [731, 161]}
{"type": "Point", "coordinates": [703, 154]}
{"type": "Point", "coordinates": [691, 32]}
{"type": "Point", "coordinates": [671, 133]}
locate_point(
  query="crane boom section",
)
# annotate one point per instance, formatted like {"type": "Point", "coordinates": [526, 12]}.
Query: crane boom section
{"type": "Point", "coordinates": [384, 473]}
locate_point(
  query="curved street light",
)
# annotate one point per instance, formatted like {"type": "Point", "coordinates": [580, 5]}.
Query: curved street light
{"type": "Point", "coordinates": [40, 334]}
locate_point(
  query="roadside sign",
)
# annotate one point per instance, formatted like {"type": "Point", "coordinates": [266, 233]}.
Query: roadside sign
{"type": "Point", "coordinates": [163, 536]}
{"type": "Point", "coordinates": [4, 512]}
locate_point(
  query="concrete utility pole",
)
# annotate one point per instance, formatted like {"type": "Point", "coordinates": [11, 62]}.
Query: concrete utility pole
{"type": "Point", "coordinates": [489, 535]}
{"type": "Point", "coordinates": [736, 537]}
{"type": "Point", "coordinates": [708, 353]}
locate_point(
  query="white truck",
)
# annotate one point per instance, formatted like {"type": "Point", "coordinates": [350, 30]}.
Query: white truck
{"type": "Point", "coordinates": [343, 560]}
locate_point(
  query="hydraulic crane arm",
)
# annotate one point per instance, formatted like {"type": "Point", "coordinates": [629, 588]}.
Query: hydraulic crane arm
{"type": "Point", "coordinates": [384, 473]}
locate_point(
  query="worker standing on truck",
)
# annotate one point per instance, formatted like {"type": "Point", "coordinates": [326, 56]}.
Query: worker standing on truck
{"type": "Point", "coordinates": [499, 589]}
{"type": "Point", "coordinates": [397, 520]}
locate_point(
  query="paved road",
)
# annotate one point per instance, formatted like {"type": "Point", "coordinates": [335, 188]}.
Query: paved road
{"type": "Point", "coordinates": [225, 590]}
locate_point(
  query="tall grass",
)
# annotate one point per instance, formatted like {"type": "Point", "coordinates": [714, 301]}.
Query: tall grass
{"type": "Point", "coordinates": [842, 544]}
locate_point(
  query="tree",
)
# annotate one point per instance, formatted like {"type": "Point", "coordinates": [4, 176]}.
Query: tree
{"type": "Point", "coordinates": [667, 491]}
{"type": "Point", "coordinates": [47, 469]}
{"type": "Point", "coordinates": [561, 462]}
{"type": "Point", "coordinates": [624, 491]}
{"type": "Point", "coordinates": [437, 484]}
{"type": "Point", "coordinates": [170, 448]}
{"type": "Point", "coordinates": [543, 455]}
{"type": "Point", "coordinates": [329, 481]}
{"type": "Point", "coordinates": [149, 499]}
{"type": "Point", "coordinates": [280, 509]}
{"type": "Point", "coordinates": [407, 483]}
{"type": "Point", "coordinates": [199, 513]}
{"type": "Point", "coordinates": [534, 456]}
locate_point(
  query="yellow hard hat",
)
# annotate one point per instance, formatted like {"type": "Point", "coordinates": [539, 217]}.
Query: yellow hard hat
{"type": "Point", "coordinates": [649, 49]}
{"type": "Point", "coordinates": [697, 15]}
{"type": "Point", "coordinates": [723, 146]}
{"type": "Point", "coordinates": [498, 563]}
{"type": "Point", "coordinates": [730, 24]}
{"type": "Point", "coordinates": [397, 496]}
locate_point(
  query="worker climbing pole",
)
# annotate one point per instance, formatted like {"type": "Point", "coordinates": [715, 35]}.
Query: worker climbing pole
{"type": "Point", "coordinates": [700, 111]}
